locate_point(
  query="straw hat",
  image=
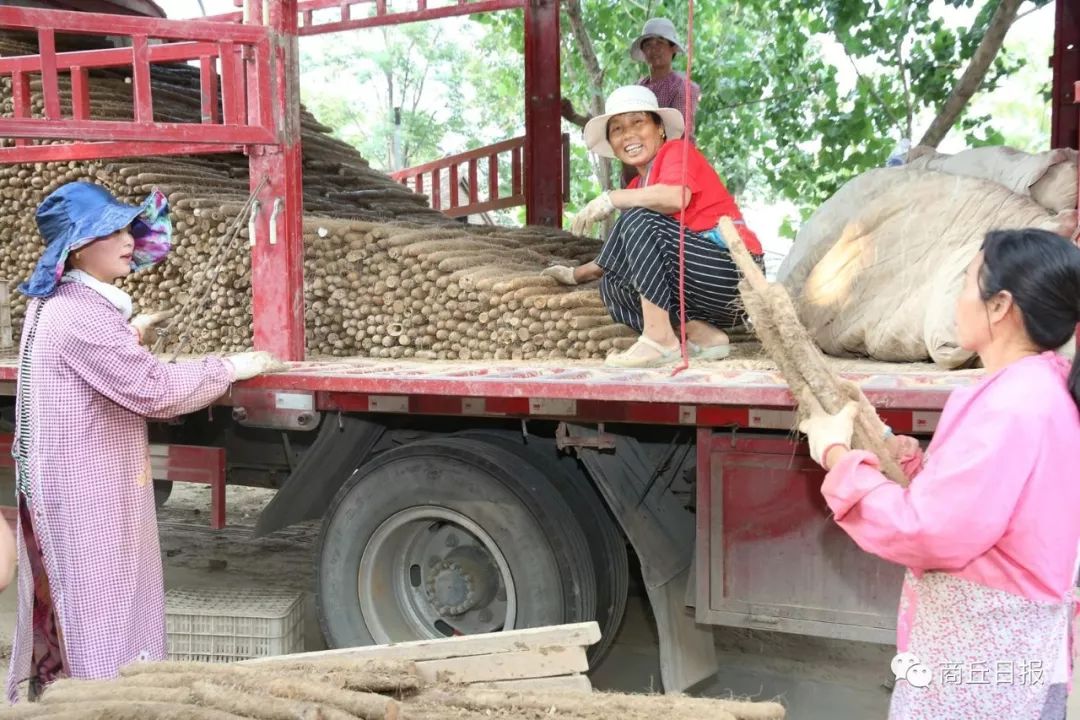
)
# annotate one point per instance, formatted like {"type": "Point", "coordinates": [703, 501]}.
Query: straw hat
{"type": "Point", "coordinates": [629, 98]}
{"type": "Point", "coordinates": [655, 27]}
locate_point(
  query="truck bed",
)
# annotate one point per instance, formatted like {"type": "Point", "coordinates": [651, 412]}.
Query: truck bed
{"type": "Point", "coordinates": [745, 389]}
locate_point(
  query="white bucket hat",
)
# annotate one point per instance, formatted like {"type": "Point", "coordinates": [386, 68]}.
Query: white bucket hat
{"type": "Point", "coordinates": [655, 27]}
{"type": "Point", "coordinates": [629, 98]}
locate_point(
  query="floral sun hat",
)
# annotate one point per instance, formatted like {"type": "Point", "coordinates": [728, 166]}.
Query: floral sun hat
{"type": "Point", "coordinates": [79, 213]}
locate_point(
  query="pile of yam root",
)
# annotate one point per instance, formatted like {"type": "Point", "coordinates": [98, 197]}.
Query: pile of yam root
{"type": "Point", "coordinates": [343, 690]}
{"type": "Point", "coordinates": [385, 276]}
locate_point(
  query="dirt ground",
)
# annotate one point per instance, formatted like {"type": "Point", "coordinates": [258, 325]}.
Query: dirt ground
{"type": "Point", "coordinates": [816, 679]}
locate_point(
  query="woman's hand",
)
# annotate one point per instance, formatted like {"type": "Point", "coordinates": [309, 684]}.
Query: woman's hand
{"type": "Point", "coordinates": [598, 208]}
{"type": "Point", "coordinates": [247, 365]}
{"type": "Point", "coordinates": [144, 325]}
{"type": "Point", "coordinates": [563, 274]}
{"type": "Point", "coordinates": [902, 447]}
{"type": "Point", "coordinates": [566, 275]}
{"type": "Point", "coordinates": [826, 432]}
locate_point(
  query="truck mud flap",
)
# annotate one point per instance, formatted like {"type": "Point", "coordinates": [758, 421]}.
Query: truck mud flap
{"type": "Point", "coordinates": [343, 444]}
{"type": "Point", "coordinates": [662, 533]}
{"type": "Point", "coordinates": [660, 529]}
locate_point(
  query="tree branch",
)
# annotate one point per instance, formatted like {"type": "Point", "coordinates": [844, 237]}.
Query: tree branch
{"type": "Point", "coordinates": [572, 116]}
{"type": "Point", "coordinates": [595, 73]}
{"type": "Point", "coordinates": [899, 53]}
{"type": "Point", "coordinates": [972, 78]}
{"type": "Point", "coordinates": [870, 86]}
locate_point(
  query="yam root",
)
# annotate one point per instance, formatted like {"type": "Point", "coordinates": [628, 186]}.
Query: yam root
{"type": "Point", "coordinates": [786, 341]}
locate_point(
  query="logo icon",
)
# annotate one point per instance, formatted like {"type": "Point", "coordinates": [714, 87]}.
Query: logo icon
{"type": "Point", "coordinates": [906, 666]}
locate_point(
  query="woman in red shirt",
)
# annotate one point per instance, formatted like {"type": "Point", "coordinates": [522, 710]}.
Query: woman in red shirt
{"type": "Point", "coordinates": [638, 266]}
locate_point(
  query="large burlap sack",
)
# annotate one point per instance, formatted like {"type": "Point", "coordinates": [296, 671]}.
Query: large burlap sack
{"type": "Point", "coordinates": [1048, 177]}
{"type": "Point", "coordinates": [887, 287]}
{"type": "Point", "coordinates": [1057, 189]}
{"type": "Point", "coordinates": [818, 234]}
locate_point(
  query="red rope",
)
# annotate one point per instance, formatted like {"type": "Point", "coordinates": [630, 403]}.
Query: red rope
{"type": "Point", "coordinates": [687, 99]}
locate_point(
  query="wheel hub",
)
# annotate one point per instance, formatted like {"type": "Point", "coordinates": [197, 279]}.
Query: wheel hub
{"type": "Point", "coordinates": [432, 572]}
{"type": "Point", "coordinates": [463, 581]}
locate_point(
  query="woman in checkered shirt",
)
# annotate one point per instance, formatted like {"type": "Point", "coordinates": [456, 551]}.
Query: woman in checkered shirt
{"type": "Point", "coordinates": [90, 589]}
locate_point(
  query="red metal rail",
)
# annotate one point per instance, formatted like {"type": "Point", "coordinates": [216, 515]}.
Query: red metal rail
{"type": "Point", "coordinates": [909, 401]}
{"type": "Point", "coordinates": [1065, 114]}
{"type": "Point", "coordinates": [318, 17]}
{"type": "Point", "coordinates": [243, 53]}
{"type": "Point", "coordinates": [473, 181]}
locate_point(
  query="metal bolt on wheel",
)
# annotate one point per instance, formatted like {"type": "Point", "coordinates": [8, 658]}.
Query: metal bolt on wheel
{"type": "Point", "coordinates": [430, 572]}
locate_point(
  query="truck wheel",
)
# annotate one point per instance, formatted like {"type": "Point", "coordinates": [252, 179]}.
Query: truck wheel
{"type": "Point", "coordinates": [606, 543]}
{"type": "Point", "coordinates": [449, 537]}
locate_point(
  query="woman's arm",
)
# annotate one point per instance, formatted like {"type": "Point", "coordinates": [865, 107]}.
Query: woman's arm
{"type": "Point", "coordinates": [108, 357]}
{"type": "Point", "coordinates": [588, 272]}
{"type": "Point", "coordinates": [666, 199]}
{"type": "Point", "coordinates": [957, 508]}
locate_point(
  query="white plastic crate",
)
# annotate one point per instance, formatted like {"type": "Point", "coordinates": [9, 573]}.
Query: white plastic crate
{"type": "Point", "coordinates": [227, 624]}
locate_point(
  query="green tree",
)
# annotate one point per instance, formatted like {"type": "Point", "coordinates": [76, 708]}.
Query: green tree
{"type": "Point", "coordinates": [449, 96]}
{"type": "Point", "coordinates": [777, 117]}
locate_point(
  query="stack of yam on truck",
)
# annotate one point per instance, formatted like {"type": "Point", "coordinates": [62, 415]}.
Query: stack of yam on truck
{"type": "Point", "coordinates": [385, 275]}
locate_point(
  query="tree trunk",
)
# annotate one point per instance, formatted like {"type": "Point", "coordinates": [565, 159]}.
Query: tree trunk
{"type": "Point", "coordinates": [974, 73]}
{"type": "Point", "coordinates": [596, 77]}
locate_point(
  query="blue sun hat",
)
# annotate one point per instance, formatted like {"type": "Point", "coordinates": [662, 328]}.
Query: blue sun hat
{"type": "Point", "coordinates": [79, 213]}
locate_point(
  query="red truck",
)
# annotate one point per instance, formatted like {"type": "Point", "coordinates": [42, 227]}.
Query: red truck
{"type": "Point", "coordinates": [473, 497]}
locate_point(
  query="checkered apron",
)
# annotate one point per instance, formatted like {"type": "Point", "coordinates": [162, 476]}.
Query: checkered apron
{"type": "Point", "coordinates": [85, 390]}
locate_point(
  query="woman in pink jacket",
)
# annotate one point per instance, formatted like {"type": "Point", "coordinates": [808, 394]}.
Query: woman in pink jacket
{"type": "Point", "coordinates": [989, 527]}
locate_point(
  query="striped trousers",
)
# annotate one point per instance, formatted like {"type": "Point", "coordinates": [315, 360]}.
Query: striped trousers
{"type": "Point", "coordinates": [640, 258]}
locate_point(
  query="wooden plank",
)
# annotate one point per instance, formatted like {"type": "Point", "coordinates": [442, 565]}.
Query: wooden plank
{"type": "Point", "coordinates": [560, 683]}
{"type": "Point", "coordinates": [521, 664]}
{"type": "Point", "coordinates": [575, 635]}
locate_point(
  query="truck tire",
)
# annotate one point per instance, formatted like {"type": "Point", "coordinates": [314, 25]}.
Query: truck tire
{"type": "Point", "coordinates": [606, 543]}
{"type": "Point", "coordinates": [445, 537]}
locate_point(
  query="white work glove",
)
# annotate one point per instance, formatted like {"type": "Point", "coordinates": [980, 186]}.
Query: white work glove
{"type": "Point", "coordinates": [563, 274]}
{"type": "Point", "coordinates": [598, 208]}
{"type": "Point", "coordinates": [144, 325]}
{"type": "Point", "coordinates": [249, 364]}
{"type": "Point", "coordinates": [823, 430]}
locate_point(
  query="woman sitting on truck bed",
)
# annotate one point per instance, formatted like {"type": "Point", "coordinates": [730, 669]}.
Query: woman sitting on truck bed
{"type": "Point", "coordinates": [988, 527]}
{"type": "Point", "coordinates": [639, 262]}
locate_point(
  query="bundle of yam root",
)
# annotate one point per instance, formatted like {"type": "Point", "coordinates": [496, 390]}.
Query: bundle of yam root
{"type": "Point", "coordinates": [815, 387]}
{"type": "Point", "coordinates": [344, 690]}
{"type": "Point", "coordinates": [385, 276]}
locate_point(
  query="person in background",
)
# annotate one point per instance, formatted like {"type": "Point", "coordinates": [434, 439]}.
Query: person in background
{"type": "Point", "coordinates": [638, 266]}
{"type": "Point", "coordinates": [988, 527]}
{"type": "Point", "coordinates": [90, 589]}
{"type": "Point", "coordinates": [657, 46]}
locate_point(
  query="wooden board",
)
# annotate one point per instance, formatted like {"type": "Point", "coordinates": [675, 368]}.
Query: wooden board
{"type": "Point", "coordinates": [562, 683]}
{"type": "Point", "coordinates": [518, 665]}
{"type": "Point", "coordinates": [576, 635]}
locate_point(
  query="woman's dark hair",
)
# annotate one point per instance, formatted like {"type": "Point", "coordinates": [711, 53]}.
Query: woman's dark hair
{"type": "Point", "coordinates": [1041, 271]}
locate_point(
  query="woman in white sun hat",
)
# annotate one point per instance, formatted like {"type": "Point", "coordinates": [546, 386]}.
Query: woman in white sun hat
{"type": "Point", "coordinates": [638, 266]}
